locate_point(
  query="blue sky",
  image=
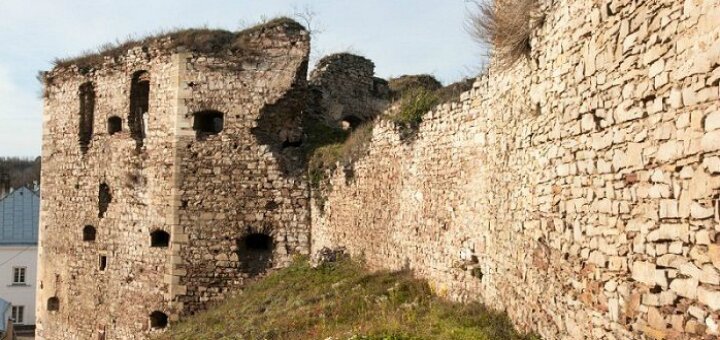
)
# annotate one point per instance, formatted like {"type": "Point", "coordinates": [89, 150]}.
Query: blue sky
{"type": "Point", "coordinates": [400, 36]}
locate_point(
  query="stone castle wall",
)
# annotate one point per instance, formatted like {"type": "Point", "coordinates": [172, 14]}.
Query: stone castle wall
{"type": "Point", "coordinates": [204, 190]}
{"type": "Point", "coordinates": [69, 269]}
{"type": "Point", "coordinates": [235, 184]}
{"type": "Point", "coordinates": [578, 192]}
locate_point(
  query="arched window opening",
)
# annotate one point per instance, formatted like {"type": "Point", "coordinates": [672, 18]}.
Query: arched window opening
{"type": "Point", "coordinates": [208, 123]}
{"type": "Point", "coordinates": [53, 304]}
{"type": "Point", "coordinates": [139, 106]}
{"type": "Point", "coordinates": [255, 253]}
{"type": "Point", "coordinates": [159, 239]}
{"type": "Point", "coordinates": [158, 320]}
{"type": "Point", "coordinates": [351, 122]}
{"type": "Point", "coordinates": [114, 125]}
{"type": "Point", "coordinates": [89, 233]}
{"type": "Point", "coordinates": [87, 115]}
{"type": "Point", "coordinates": [104, 199]}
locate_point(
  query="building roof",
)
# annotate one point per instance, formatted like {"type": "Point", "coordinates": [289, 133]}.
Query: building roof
{"type": "Point", "coordinates": [19, 215]}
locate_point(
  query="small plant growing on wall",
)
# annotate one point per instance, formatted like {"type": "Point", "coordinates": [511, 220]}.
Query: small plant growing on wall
{"type": "Point", "coordinates": [412, 106]}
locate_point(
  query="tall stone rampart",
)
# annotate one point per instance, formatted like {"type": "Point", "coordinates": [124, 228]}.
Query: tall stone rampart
{"type": "Point", "coordinates": [579, 191]}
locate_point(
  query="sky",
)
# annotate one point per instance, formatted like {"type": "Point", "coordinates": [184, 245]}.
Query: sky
{"type": "Point", "coordinates": [400, 36]}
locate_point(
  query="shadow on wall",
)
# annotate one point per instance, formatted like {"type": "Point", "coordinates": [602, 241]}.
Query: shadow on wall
{"type": "Point", "coordinates": [281, 128]}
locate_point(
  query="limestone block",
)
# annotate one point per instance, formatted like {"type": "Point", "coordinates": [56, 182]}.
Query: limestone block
{"type": "Point", "coordinates": [698, 211]}
{"type": "Point", "coordinates": [711, 141]}
{"type": "Point", "coordinates": [670, 232]}
{"type": "Point", "coordinates": [709, 297]}
{"type": "Point", "coordinates": [672, 261]}
{"type": "Point", "coordinates": [685, 287]}
{"type": "Point", "coordinates": [700, 185]}
{"type": "Point", "coordinates": [689, 96]}
{"type": "Point", "coordinates": [712, 121]}
{"type": "Point", "coordinates": [714, 254]}
{"type": "Point", "coordinates": [644, 272]}
{"type": "Point", "coordinates": [689, 269]}
{"type": "Point", "coordinates": [709, 275]}
{"type": "Point", "coordinates": [634, 155]}
{"type": "Point", "coordinates": [676, 98]}
{"type": "Point", "coordinates": [697, 312]}
{"type": "Point", "coordinates": [669, 209]}
{"type": "Point", "coordinates": [712, 164]}
{"type": "Point", "coordinates": [669, 151]}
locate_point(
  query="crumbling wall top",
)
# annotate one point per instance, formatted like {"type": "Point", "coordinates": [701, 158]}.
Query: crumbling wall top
{"type": "Point", "coordinates": [246, 43]}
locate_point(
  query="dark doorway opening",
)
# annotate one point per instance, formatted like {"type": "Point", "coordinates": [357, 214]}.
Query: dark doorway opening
{"type": "Point", "coordinates": [255, 252]}
{"type": "Point", "coordinates": [158, 320]}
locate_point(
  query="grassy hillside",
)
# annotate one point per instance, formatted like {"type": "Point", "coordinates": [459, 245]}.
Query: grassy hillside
{"type": "Point", "coordinates": [342, 301]}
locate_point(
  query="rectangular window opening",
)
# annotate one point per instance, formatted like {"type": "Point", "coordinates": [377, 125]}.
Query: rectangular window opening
{"type": "Point", "coordinates": [103, 262]}
{"type": "Point", "coordinates": [19, 276]}
{"type": "Point", "coordinates": [18, 314]}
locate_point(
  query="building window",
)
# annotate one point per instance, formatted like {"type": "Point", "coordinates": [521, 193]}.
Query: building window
{"type": "Point", "coordinates": [104, 199]}
{"type": "Point", "coordinates": [19, 277]}
{"type": "Point", "coordinates": [208, 123]}
{"type": "Point", "coordinates": [159, 239]}
{"type": "Point", "coordinates": [87, 113]}
{"type": "Point", "coordinates": [18, 314]}
{"type": "Point", "coordinates": [139, 106]}
{"type": "Point", "coordinates": [89, 233]}
{"type": "Point", "coordinates": [114, 125]}
{"type": "Point", "coordinates": [103, 262]}
{"type": "Point", "coordinates": [53, 304]}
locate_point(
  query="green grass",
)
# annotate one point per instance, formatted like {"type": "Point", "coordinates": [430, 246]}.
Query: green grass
{"type": "Point", "coordinates": [342, 301]}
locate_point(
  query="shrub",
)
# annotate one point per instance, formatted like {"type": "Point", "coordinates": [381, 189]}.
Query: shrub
{"type": "Point", "coordinates": [400, 85]}
{"type": "Point", "coordinates": [411, 108]}
{"type": "Point", "coordinates": [507, 26]}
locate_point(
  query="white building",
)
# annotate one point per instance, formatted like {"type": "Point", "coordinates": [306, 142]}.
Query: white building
{"type": "Point", "coordinates": [19, 212]}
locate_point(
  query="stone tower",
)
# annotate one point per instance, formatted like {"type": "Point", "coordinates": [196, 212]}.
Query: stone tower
{"type": "Point", "coordinates": [168, 178]}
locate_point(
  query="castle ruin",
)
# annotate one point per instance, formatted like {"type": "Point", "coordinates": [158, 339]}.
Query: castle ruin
{"type": "Point", "coordinates": [578, 191]}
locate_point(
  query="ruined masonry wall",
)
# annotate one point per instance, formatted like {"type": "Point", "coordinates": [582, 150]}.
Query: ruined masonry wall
{"type": "Point", "coordinates": [579, 193]}
{"type": "Point", "coordinates": [230, 184]}
{"type": "Point", "coordinates": [206, 191]}
{"type": "Point", "coordinates": [349, 89]}
{"type": "Point", "coordinates": [118, 299]}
